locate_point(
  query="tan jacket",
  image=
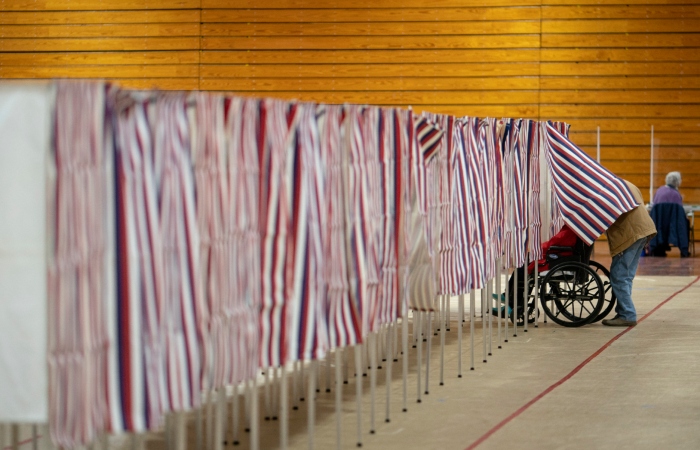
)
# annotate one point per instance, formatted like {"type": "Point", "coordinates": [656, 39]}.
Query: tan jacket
{"type": "Point", "coordinates": [631, 226]}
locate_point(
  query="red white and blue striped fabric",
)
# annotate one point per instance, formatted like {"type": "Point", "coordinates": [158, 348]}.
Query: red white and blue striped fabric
{"type": "Point", "coordinates": [293, 316]}
{"type": "Point", "coordinates": [243, 123]}
{"type": "Point", "coordinates": [478, 203]}
{"type": "Point", "coordinates": [446, 224]}
{"type": "Point", "coordinates": [556, 218]}
{"type": "Point", "coordinates": [393, 151]}
{"type": "Point", "coordinates": [308, 327]}
{"type": "Point", "coordinates": [404, 126]}
{"type": "Point", "coordinates": [139, 384]}
{"type": "Point", "coordinates": [520, 193]}
{"type": "Point", "coordinates": [275, 225]}
{"type": "Point", "coordinates": [491, 143]}
{"type": "Point", "coordinates": [344, 320]}
{"type": "Point", "coordinates": [589, 196]}
{"type": "Point", "coordinates": [226, 171]}
{"type": "Point", "coordinates": [79, 265]}
{"type": "Point", "coordinates": [424, 165]}
{"type": "Point", "coordinates": [506, 137]}
{"type": "Point", "coordinates": [531, 131]}
{"type": "Point", "coordinates": [461, 205]}
{"type": "Point", "coordinates": [180, 245]}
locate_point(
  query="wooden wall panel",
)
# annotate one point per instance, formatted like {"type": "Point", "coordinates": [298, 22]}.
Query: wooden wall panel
{"type": "Point", "coordinates": [618, 66]}
{"type": "Point", "coordinates": [145, 44]}
{"type": "Point", "coordinates": [625, 67]}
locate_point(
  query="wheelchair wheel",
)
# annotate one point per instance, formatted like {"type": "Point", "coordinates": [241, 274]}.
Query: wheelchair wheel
{"type": "Point", "coordinates": [572, 295]}
{"type": "Point", "coordinates": [608, 296]}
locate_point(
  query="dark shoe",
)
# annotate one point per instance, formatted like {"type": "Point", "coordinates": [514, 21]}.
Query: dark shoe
{"type": "Point", "coordinates": [619, 322]}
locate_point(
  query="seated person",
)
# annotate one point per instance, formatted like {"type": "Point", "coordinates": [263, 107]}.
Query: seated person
{"type": "Point", "coordinates": [669, 193]}
{"type": "Point", "coordinates": [564, 238]}
{"type": "Point", "coordinates": [671, 224]}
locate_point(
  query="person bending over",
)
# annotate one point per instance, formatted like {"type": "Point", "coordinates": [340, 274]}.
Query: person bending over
{"type": "Point", "coordinates": [627, 237]}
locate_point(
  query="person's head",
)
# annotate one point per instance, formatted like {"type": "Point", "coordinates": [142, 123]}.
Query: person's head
{"type": "Point", "coordinates": [673, 179]}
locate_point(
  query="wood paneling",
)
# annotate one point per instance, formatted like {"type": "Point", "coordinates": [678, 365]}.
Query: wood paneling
{"type": "Point", "coordinates": [619, 66]}
{"type": "Point", "coordinates": [145, 44]}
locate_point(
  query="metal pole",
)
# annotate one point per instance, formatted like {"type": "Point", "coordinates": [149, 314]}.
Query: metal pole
{"type": "Point", "coordinates": [506, 306]}
{"type": "Point", "coordinates": [338, 396]}
{"type": "Point", "coordinates": [220, 419]}
{"type": "Point", "coordinates": [499, 305]}
{"type": "Point", "coordinates": [515, 303]}
{"type": "Point", "coordinates": [443, 327]}
{"type": "Point", "coordinates": [254, 419]}
{"type": "Point", "coordinates": [427, 353]}
{"type": "Point", "coordinates": [404, 346]}
{"type": "Point", "coordinates": [651, 168]}
{"type": "Point", "coordinates": [526, 293]}
{"type": "Point", "coordinates": [460, 314]}
{"type": "Point", "coordinates": [358, 391]}
{"type": "Point", "coordinates": [389, 364]}
{"type": "Point", "coordinates": [537, 295]}
{"type": "Point", "coordinates": [373, 378]}
{"type": "Point", "coordinates": [483, 316]}
{"type": "Point", "coordinates": [234, 416]}
{"type": "Point", "coordinates": [419, 364]}
{"type": "Point", "coordinates": [489, 299]}
{"type": "Point", "coordinates": [472, 317]}
{"type": "Point", "coordinates": [311, 408]}
{"type": "Point", "coordinates": [284, 409]}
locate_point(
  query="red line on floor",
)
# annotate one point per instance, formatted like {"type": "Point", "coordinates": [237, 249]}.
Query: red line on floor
{"type": "Point", "coordinates": [19, 444]}
{"type": "Point", "coordinates": [570, 374]}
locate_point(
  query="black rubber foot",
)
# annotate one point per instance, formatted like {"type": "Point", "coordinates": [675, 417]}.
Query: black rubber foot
{"type": "Point", "coordinates": [500, 346]}
{"type": "Point", "coordinates": [267, 418]}
{"type": "Point", "coordinates": [225, 442]}
{"type": "Point", "coordinates": [414, 346]}
{"type": "Point", "coordinates": [425, 340]}
{"type": "Point", "coordinates": [387, 420]}
{"type": "Point", "coordinates": [459, 376]}
{"type": "Point", "coordinates": [471, 368]}
{"type": "Point", "coordinates": [345, 382]}
{"type": "Point", "coordinates": [328, 390]}
{"type": "Point", "coordinates": [383, 359]}
{"type": "Point", "coordinates": [525, 331]}
{"type": "Point", "coordinates": [371, 431]}
{"type": "Point", "coordinates": [236, 443]}
{"type": "Point", "coordinates": [274, 417]}
{"type": "Point", "coordinates": [434, 334]}
{"type": "Point", "coordinates": [418, 401]}
{"type": "Point", "coordinates": [506, 340]}
{"type": "Point", "coordinates": [405, 410]}
{"type": "Point", "coordinates": [364, 374]}
{"type": "Point", "coordinates": [295, 408]}
{"type": "Point", "coordinates": [490, 354]}
{"type": "Point", "coordinates": [485, 361]}
{"type": "Point", "coordinates": [301, 399]}
{"type": "Point", "coordinates": [247, 430]}
{"type": "Point", "coordinates": [359, 444]}
{"type": "Point", "coordinates": [426, 392]}
{"type": "Point", "coordinates": [379, 367]}
{"type": "Point", "coordinates": [442, 384]}
{"type": "Point", "coordinates": [396, 359]}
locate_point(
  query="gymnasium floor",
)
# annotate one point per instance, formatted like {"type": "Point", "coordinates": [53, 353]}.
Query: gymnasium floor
{"type": "Point", "coordinates": [550, 388]}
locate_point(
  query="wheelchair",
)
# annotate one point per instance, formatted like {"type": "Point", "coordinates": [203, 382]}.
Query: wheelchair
{"type": "Point", "coordinates": [573, 292]}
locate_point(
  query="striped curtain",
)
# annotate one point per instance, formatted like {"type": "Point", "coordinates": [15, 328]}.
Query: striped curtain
{"type": "Point", "coordinates": [589, 196]}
